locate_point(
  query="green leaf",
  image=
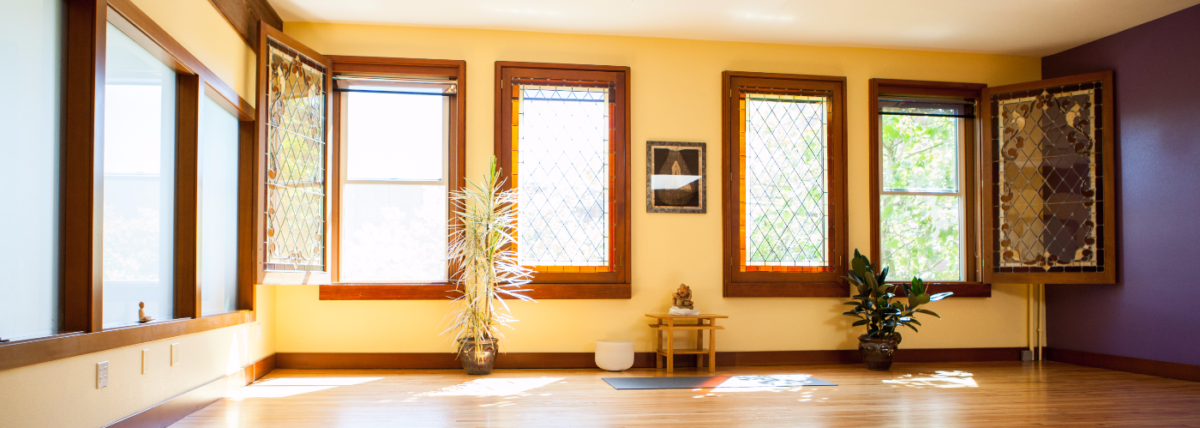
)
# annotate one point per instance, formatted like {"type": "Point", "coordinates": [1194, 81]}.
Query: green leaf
{"type": "Point", "coordinates": [927, 312]}
{"type": "Point", "coordinates": [858, 323]}
{"type": "Point", "coordinates": [910, 326]}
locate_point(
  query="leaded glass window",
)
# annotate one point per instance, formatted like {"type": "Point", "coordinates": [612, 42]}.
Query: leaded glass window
{"type": "Point", "coordinates": [296, 150]}
{"type": "Point", "coordinates": [784, 174]}
{"type": "Point", "coordinates": [563, 153]}
{"type": "Point", "coordinates": [1049, 186]}
{"type": "Point", "coordinates": [784, 194]}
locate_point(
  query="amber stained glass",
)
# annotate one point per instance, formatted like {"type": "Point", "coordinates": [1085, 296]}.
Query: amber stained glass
{"type": "Point", "coordinates": [563, 152]}
{"type": "Point", "coordinates": [784, 181]}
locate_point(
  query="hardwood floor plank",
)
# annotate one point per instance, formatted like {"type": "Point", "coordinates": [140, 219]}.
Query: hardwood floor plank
{"type": "Point", "coordinates": [990, 394]}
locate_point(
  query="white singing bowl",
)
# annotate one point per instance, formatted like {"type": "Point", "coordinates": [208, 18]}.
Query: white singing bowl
{"type": "Point", "coordinates": [614, 355]}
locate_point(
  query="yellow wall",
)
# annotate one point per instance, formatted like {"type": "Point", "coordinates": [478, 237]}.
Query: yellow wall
{"type": "Point", "coordinates": [204, 32]}
{"type": "Point", "coordinates": [675, 96]}
{"type": "Point", "coordinates": [34, 396]}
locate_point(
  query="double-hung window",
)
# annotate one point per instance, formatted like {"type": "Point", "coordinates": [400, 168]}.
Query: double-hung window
{"type": "Point", "coordinates": [785, 178]}
{"type": "Point", "coordinates": [563, 144]}
{"type": "Point", "coordinates": [395, 175]}
{"type": "Point", "coordinates": [924, 206]}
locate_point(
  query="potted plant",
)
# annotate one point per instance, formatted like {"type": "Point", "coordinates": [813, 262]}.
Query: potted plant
{"type": "Point", "coordinates": [485, 269]}
{"type": "Point", "coordinates": [882, 316]}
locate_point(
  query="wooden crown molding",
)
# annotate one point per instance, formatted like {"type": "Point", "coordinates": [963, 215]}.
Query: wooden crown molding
{"type": "Point", "coordinates": [244, 16]}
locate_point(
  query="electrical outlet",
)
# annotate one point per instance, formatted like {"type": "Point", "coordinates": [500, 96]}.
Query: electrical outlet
{"type": "Point", "coordinates": [174, 354]}
{"type": "Point", "coordinates": [101, 374]}
{"type": "Point", "coordinates": [145, 361]}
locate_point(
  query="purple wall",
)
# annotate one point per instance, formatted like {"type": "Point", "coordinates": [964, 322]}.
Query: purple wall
{"type": "Point", "coordinates": [1154, 310]}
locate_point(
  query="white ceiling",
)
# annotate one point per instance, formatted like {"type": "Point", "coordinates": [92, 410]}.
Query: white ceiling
{"type": "Point", "coordinates": [1018, 27]}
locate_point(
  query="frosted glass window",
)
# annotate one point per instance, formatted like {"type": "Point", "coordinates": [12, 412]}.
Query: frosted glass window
{"type": "Point", "coordinates": [139, 183]}
{"type": "Point", "coordinates": [394, 194]}
{"type": "Point", "coordinates": [218, 219]}
{"type": "Point", "coordinates": [31, 36]}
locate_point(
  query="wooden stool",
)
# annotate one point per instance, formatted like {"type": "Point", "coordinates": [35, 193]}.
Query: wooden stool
{"type": "Point", "coordinates": [667, 323]}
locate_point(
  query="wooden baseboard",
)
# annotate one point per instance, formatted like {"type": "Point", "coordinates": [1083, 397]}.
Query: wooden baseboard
{"type": "Point", "coordinates": [570, 360]}
{"type": "Point", "coordinates": [176, 408]}
{"type": "Point", "coordinates": [1126, 364]}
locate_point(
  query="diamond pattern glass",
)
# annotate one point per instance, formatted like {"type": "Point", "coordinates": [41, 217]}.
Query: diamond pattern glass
{"type": "Point", "coordinates": [785, 180]}
{"type": "Point", "coordinates": [1048, 181]}
{"type": "Point", "coordinates": [295, 216]}
{"type": "Point", "coordinates": [562, 153]}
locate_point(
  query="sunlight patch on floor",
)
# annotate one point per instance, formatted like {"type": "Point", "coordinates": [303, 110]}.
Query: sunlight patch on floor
{"type": "Point", "coordinates": [502, 387]}
{"type": "Point", "coordinates": [317, 381]}
{"type": "Point", "coordinates": [255, 391]}
{"type": "Point", "coordinates": [290, 386]}
{"type": "Point", "coordinates": [940, 379]}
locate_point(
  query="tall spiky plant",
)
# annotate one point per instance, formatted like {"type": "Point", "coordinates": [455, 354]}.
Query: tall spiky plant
{"type": "Point", "coordinates": [486, 268]}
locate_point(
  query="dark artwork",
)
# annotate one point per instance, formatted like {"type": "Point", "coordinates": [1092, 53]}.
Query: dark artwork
{"type": "Point", "coordinates": [675, 177]}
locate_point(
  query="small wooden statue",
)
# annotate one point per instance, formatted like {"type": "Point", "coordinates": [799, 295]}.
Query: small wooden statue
{"type": "Point", "coordinates": [142, 318]}
{"type": "Point", "coordinates": [683, 297]}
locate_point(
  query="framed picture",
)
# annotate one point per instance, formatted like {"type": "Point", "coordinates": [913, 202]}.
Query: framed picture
{"type": "Point", "coordinates": [676, 177]}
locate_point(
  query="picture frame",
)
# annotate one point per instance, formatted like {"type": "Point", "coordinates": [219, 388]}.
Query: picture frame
{"type": "Point", "coordinates": [676, 177]}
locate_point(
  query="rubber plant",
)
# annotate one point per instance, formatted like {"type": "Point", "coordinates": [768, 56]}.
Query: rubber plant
{"type": "Point", "coordinates": [482, 252]}
{"type": "Point", "coordinates": [875, 308]}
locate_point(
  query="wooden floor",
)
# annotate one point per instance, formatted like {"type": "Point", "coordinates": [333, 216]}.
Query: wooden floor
{"type": "Point", "coordinates": [910, 395]}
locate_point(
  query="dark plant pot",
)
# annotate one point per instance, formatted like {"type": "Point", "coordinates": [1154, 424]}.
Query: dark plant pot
{"type": "Point", "coordinates": [481, 363]}
{"type": "Point", "coordinates": [877, 354]}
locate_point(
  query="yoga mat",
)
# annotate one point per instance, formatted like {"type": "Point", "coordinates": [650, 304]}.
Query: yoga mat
{"type": "Point", "coordinates": [693, 382]}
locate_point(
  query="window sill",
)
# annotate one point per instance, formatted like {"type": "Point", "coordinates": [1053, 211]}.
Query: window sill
{"type": "Point", "coordinates": [35, 351]}
{"type": "Point", "coordinates": [786, 289]}
{"type": "Point", "coordinates": [345, 291]}
{"type": "Point", "coordinates": [960, 289]}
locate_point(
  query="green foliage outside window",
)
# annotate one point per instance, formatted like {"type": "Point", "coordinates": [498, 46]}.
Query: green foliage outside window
{"type": "Point", "coordinates": [920, 235]}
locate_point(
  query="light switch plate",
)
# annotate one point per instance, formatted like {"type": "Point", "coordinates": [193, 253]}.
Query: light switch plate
{"type": "Point", "coordinates": [145, 361]}
{"type": "Point", "coordinates": [174, 354]}
{"type": "Point", "coordinates": [101, 374]}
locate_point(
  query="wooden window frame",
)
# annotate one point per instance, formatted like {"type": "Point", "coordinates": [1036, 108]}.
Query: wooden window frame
{"type": "Point", "coordinates": [273, 276]}
{"type": "Point", "coordinates": [575, 285]}
{"type": "Point", "coordinates": [971, 286]}
{"type": "Point", "coordinates": [455, 70]}
{"type": "Point", "coordinates": [1107, 166]}
{"type": "Point", "coordinates": [81, 297]}
{"type": "Point", "coordinates": [784, 284]}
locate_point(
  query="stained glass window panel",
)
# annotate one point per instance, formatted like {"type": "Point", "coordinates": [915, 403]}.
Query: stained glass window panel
{"type": "Point", "coordinates": [1046, 157]}
{"type": "Point", "coordinates": [785, 205]}
{"type": "Point", "coordinates": [563, 152]}
{"type": "Point", "coordinates": [296, 139]}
